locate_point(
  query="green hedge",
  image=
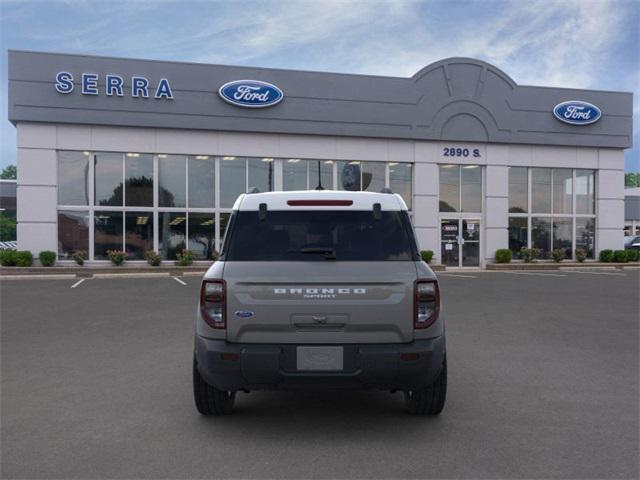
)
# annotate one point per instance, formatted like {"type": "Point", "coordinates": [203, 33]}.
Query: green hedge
{"type": "Point", "coordinates": [47, 258]}
{"type": "Point", "coordinates": [503, 255]}
{"type": "Point", "coordinates": [427, 255]}
{"type": "Point", "coordinates": [606, 256]}
{"type": "Point", "coordinates": [24, 258]}
{"type": "Point", "coordinates": [8, 258]}
{"type": "Point", "coordinates": [633, 255]}
{"type": "Point", "coordinates": [620, 256]}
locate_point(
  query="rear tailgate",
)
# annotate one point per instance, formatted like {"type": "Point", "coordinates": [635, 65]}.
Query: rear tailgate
{"type": "Point", "coordinates": [320, 302]}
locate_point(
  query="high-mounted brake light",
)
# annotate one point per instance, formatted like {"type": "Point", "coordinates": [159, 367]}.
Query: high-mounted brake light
{"type": "Point", "coordinates": [426, 304]}
{"type": "Point", "coordinates": [213, 303]}
{"type": "Point", "coordinates": [319, 203]}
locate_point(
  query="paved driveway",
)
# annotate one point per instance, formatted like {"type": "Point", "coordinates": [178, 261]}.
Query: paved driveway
{"type": "Point", "coordinates": [543, 373]}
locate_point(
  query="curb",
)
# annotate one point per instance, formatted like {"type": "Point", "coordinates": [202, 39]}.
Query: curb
{"type": "Point", "coordinates": [561, 266]}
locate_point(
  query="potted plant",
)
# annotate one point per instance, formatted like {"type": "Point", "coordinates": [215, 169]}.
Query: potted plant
{"type": "Point", "coordinates": [558, 255]}
{"type": "Point", "coordinates": [184, 258]}
{"type": "Point", "coordinates": [79, 256]}
{"type": "Point", "coordinates": [153, 258]}
{"type": "Point", "coordinates": [581, 254]}
{"type": "Point", "coordinates": [117, 257]}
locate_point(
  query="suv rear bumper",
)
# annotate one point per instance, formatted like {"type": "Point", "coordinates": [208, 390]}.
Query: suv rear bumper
{"type": "Point", "coordinates": [236, 366]}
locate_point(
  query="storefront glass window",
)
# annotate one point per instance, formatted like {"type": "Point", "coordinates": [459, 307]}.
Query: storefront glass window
{"type": "Point", "coordinates": [138, 234]}
{"type": "Point", "coordinates": [172, 188]}
{"type": "Point", "coordinates": [541, 235]}
{"type": "Point", "coordinates": [585, 192]}
{"type": "Point", "coordinates": [73, 233]}
{"type": "Point", "coordinates": [373, 176]}
{"type": "Point", "coordinates": [233, 180]}
{"type": "Point", "coordinates": [73, 178]}
{"type": "Point", "coordinates": [172, 231]}
{"type": "Point", "coordinates": [294, 174]}
{"type": "Point", "coordinates": [517, 235]}
{"type": "Point", "coordinates": [585, 235]}
{"type": "Point", "coordinates": [261, 174]}
{"type": "Point", "coordinates": [541, 190]}
{"type": "Point", "coordinates": [449, 188]}
{"type": "Point", "coordinates": [138, 172]}
{"type": "Point", "coordinates": [202, 234]}
{"type": "Point", "coordinates": [326, 173]}
{"type": "Point", "coordinates": [400, 180]}
{"type": "Point", "coordinates": [562, 190]}
{"type": "Point", "coordinates": [518, 190]}
{"type": "Point", "coordinates": [202, 182]}
{"type": "Point", "coordinates": [471, 181]}
{"type": "Point", "coordinates": [562, 235]}
{"type": "Point", "coordinates": [107, 233]}
{"type": "Point", "coordinates": [108, 179]}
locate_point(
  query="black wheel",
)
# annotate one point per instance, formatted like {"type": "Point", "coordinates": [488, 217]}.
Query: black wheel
{"type": "Point", "coordinates": [430, 400]}
{"type": "Point", "coordinates": [210, 400]}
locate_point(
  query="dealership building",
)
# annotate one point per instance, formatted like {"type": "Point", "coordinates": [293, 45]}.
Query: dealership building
{"type": "Point", "coordinates": [138, 155]}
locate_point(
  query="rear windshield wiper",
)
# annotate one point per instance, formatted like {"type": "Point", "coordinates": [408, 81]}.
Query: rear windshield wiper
{"type": "Point", "coordinates": [329, 253]}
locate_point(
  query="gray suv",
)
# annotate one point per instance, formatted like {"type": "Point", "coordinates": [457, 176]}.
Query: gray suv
{"type": "Point", "coordinates": [319, 290]}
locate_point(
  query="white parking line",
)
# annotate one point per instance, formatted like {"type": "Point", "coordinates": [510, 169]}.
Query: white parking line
{"type": "Point", "coordinates": [598, 273]}
{"type": "Point", "coordinates": [536, 273]}
{"type": "Point", "coordinates": [78, 283]}
{"type": "Point", "coordinates": [178, 280]}
{"type": "Point", "coordinates": [455, 275]}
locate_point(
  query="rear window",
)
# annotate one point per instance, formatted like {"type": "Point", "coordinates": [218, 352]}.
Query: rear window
{"type": "Point", "coordinates": [319, 236]}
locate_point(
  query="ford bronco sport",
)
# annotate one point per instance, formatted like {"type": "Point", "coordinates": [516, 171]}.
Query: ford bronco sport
{"type": "Point", "coordinates": [319, 290]}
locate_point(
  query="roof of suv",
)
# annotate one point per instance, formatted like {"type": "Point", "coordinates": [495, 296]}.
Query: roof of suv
{"type": "Point", "coordinates": [319, 200]}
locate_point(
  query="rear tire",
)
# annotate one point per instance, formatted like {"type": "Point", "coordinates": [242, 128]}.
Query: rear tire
{"type": "Point", "coordinates": [210, 400]}
{"type": "Point", "coordinates": [429, 400]}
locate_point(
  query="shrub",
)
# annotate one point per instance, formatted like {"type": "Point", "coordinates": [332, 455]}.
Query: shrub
{"type": "Point", "coordinates": [503, 255]}
{"type": "Point", "coordinates": [427, 255]}
{"type": "Point", "coordinates": [633, 255]}
{"type": "Point", "coordinates": [79, 256]}
{"type": "Point", "coordinates": [184, 258]}
{"type": "Point", "coordinates": [581, 254]}
{"type": "Point", "coordinates": [606, 256]}
{"type": "Point", "coordinates": [558, 255]}
{"type": "Point", "coordinates": [620, 256]}
{"type": "Point", "coordinates": [215, 255]}
{"type": "Point", "coordinates": [24, 258]}
{"type": "Point", "coordinates": [526, 254]}
{"type": "Point", "coordinates": [153, 258]}
{"type": "Point", "coordinates": [47, 258]}
{"type": "Point", "coordinates": [8, 258]}
{"type": "Point", "coordinates": [117, 257]}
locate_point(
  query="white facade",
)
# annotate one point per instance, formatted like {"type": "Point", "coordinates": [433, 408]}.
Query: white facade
{"type": "Point", "coordinates": [37, 173]}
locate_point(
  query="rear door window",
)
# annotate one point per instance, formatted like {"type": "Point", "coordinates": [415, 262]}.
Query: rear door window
{"type": "Point", "coordinates": [320, 235]}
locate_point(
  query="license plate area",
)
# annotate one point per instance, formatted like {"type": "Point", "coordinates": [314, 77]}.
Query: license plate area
{"type": "Point", "coordinates": [319, 359]}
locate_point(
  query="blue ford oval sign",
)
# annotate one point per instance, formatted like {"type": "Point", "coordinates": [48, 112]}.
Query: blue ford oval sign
{"type": "Point", "coordinates": [577, 112]}
{"type": "Point", "coordinates": [251, 93]}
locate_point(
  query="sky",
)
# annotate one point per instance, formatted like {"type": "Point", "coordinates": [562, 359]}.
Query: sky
{"type": "Point", "coordinates": [565, 43]}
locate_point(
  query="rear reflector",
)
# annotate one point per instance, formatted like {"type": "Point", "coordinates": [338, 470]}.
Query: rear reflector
{"type": "Point", "coordinates": [408, 357]}
{"type": "Point", "coordinates": [319, 203]}
{"type": "Point", "coordinates": [234, 357]}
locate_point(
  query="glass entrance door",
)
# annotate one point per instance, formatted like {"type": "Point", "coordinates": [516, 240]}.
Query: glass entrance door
{"type": "Point", "coordinates": [470, 243]}
{"type": "Point", "coordinates": [449, 246]}
{"type": "Point", "coordinates": [460, 242]}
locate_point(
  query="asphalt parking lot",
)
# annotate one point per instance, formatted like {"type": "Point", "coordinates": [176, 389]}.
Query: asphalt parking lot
{"type": "Point", "coordinates": [543, 383]}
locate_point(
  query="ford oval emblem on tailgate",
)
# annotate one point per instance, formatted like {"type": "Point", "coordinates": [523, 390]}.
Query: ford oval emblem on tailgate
{"type": "Point", "coordinates": [250, 93]}
{"type": "Point", "coordinates": [243, 314]}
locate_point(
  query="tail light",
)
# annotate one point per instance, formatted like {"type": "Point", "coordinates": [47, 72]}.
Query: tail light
{"type": "Point", "coordinates": [426, 303]}
{"type": "Point", "coordinates": [213, 303]}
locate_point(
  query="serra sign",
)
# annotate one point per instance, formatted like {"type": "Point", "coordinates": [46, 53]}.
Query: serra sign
{"type": "Point", "coordinates": [250, 93]}
{"type": "Point", "coordinates": [113, 85]}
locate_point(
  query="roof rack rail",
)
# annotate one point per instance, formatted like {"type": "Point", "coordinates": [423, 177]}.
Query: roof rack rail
{"type": "Point", "coordinates": [253, 190]}
{"type": "Point", "coordinates": [386, 190]}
